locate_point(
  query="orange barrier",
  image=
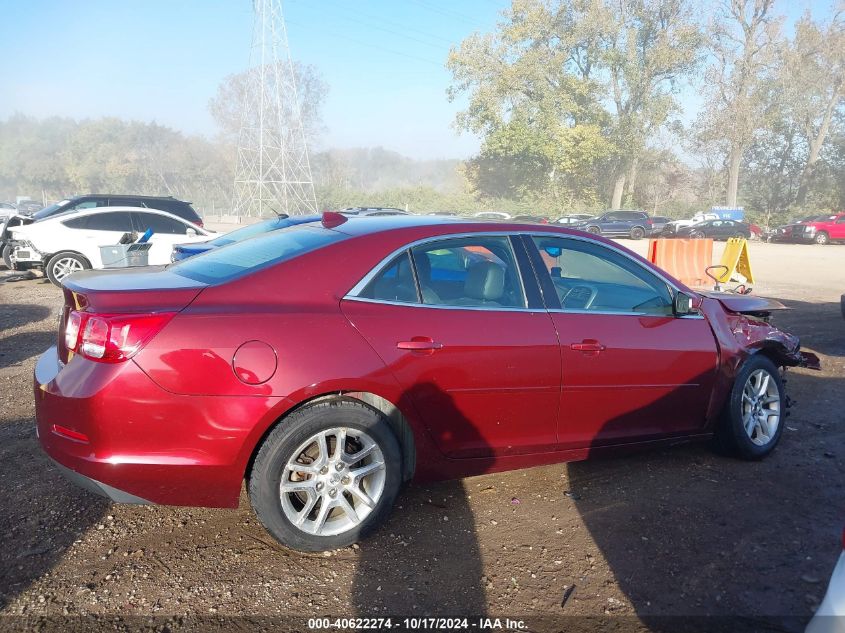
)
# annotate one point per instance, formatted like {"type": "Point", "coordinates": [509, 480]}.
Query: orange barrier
{"type": "Point", "coordinates": [685, 260]}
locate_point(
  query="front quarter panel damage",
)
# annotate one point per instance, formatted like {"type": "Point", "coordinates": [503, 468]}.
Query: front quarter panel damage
{"type": "Point", "coordinates": [740, 336]}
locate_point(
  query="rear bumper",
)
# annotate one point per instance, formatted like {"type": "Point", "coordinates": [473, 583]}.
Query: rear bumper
{"type": "Point", "coordinates": [115, 432]}
{"type": "Point", "coordinates": [98, 487]}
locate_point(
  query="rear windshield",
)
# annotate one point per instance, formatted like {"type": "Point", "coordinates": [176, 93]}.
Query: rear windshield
{"type": "Point", "coordinates": [249, 231]}
{"type": "Point", "coordinates": [241, 258]}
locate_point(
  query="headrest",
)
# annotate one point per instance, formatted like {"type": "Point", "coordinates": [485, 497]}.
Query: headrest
{"type": "Point", "coordinates": [485, 281]}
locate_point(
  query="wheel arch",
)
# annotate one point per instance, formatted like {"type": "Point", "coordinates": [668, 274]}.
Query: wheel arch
{"type": "Point", "coordinates": [395, 418]}
{"type": "Point", "coordinates": [68, 251]}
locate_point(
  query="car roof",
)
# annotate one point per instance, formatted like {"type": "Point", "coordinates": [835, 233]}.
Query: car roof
{"type": "Point", "coordinates": [96, 210]}
{"type": "Point", "coordinates": [441, 225]}
{"type": "Point", "coordinates": [125, 195]}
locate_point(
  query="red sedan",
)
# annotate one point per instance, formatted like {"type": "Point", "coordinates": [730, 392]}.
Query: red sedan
{"type": "Point", "coordinates": [330, 362]}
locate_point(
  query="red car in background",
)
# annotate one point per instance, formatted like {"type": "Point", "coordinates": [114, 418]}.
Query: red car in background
{"type": "Point", "coordinates": [328, 363]}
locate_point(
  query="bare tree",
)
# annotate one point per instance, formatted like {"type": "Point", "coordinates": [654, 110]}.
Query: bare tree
{"type": "Point", "coordinates": [744, 39]}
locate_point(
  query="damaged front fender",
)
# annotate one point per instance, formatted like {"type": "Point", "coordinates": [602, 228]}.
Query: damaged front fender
{"type": "Point", "coordinates": [740, 336]}
{"type": "Point", "coordinates": [783, 348]}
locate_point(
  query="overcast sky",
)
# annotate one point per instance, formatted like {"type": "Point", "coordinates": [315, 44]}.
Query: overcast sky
{"type": "Point", "coordinates": [162, 60]}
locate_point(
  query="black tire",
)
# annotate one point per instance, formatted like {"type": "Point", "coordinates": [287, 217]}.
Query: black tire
{"type": "Point", "coordinates": [594, 230]}
{"type": "Point", "coordinates": [290, 434]}
{"type": "Point", "coordinates": [696, 235]}
{"type": "Point", "coordinates": [637, 233]}
{"type": "Point", "coordinates": [7, 255]}
{"type": "Point", "coordinates": [822, 238]}
{"type": "Point", "coordinates": [53, 271]}
{"type": "Point", "coordinates": [731, 435]}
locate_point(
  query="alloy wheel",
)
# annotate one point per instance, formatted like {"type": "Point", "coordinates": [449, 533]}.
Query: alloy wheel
{"type": "Point", "coordinates": [333, 481]}
{"type": "Point", "coordinates": [65, 266]}
{"type": "Point", "coordinates": [760, 407]}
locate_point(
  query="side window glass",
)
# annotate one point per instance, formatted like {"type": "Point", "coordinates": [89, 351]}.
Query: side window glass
{"type": "Point", "coordinates": [478, 271]}
{"type": "Point", "coordinates": [88, 204]}
{"type": "Point", "coordinates": [395, 282]}
{"type": "Point", "coordinates": [160, 224]}
{"type": "Point", "coordinates": [76, 223]}
{"type": "Point", "coordinates": [590, 277]}
{"type": "Point", "coordinates": [110, 222]}
{"type": "Point", "coordinates": [841, 220]}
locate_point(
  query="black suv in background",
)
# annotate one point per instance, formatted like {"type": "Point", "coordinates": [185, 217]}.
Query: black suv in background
{"type": "Point", "coordinates": [633, 224]}
{"type": "Point", "coordinates": [162, 203]}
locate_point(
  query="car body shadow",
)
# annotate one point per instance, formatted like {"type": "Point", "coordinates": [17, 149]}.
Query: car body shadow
{"type": "Point", "coordinates": [16, 348]}
{"type": "Point", "coordinates": [14, 315]}
{"type": "Point", "coordinates": [42, 513]}
{"type": "Point", "coordinates": [717, 544]}
{"type": "Point", "coordinates": [425, 561]}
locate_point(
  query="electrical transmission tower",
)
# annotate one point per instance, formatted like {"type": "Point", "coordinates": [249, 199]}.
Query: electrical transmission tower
{"type": "Point", "coordinates": [272, 172]}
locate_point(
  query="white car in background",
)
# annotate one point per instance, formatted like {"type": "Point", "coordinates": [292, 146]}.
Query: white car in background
{"type": "Point", "coordinates": [65, 243]}
{"type": "Point", "coordinates": [493, 215]}
{"type": "Point", "coordinates": [830, 616]}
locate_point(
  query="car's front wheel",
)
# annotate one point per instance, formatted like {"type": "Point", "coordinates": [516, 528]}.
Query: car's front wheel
{"type": "Point", "coordinates": [752, 420]}
{"type": "Point", "coordinates": [326, 475]}
{"type": "Point", "coordinates": [594, 230]}
{"type": "Point", "coordinates": [63, 264]}
{"type": "Point", "coordinates": [7, 255]}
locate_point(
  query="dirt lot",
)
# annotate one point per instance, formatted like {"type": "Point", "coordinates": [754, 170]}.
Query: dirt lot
{"type": "Point", "coordinates": [675, 532]}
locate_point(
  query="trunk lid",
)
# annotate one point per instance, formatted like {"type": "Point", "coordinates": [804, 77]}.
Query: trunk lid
{"type": "Point", "coordinates": [142, 290]}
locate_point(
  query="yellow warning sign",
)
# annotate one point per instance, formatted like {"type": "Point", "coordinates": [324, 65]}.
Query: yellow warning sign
{"type": "Point", "coordinates": [735, 259]}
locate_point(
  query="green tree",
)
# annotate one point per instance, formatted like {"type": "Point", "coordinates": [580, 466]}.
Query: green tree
{"type": "Point", "coordinates": [573, 90]}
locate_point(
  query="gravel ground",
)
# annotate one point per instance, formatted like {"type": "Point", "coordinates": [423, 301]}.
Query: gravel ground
{"type": "Point", "coordinates": [675, 532]}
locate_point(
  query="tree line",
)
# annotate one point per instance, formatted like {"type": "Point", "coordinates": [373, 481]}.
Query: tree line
{"type": "Point", "coordinates": [579, 104]}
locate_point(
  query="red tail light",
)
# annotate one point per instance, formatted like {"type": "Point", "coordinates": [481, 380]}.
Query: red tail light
{"type": "Point", "coordinates": [199, 223]}
{"type": "Point", "coordinates": [111, 338]}
{"type": "Point", "coordinates": [650, 222]}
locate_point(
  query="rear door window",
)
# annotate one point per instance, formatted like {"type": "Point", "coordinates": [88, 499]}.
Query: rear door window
{"type": "Point", "coordinates": [395, 283]}
{"type": "Point", "coordinates": [478, 271]}
{"type": "Point", "coordinates": [113, 221]}
{"type": "Point", "coordinates": [159, 224]}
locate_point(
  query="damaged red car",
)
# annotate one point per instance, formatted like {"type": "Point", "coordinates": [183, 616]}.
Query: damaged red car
{"type": "Point", "coordinates": [328, 363]}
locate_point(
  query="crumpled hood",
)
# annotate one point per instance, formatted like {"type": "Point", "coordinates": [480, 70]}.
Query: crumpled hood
{"type": "Point", "coordinates": [745, 304]}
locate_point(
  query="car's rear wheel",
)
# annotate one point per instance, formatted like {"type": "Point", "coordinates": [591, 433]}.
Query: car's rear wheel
{"type": "Point", "coordinates": [752, 420]}
{"type": "Point", "coordinates": [63, 264]}
{"type": "Point", "coordinates": [822, 238]}
{"type": "Point", "coordinates": [7, 255]}
{"type": "Point", "coordinates": [326, 476]}
{"type": "Point", "coordinates": [696, 235]}
{"type": "Point", "coordinates": [637, 233]}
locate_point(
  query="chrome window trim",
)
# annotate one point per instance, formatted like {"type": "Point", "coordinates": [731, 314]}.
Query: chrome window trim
{"type": "Point", "coordinates": [352, 295]}
{"type": "Point", "coordinates": [438, 306]}
{"type": "Point", "coordinates": [366, 279]}
{"type": "Point", "coordinates": [625, 313]}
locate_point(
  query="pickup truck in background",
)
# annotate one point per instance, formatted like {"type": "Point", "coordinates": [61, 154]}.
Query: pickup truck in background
{"type": "Point", "coordinates": [829, 229]}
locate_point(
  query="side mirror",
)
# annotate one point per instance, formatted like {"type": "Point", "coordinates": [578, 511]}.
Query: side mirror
{"type": "Point", "coordinates": [191, 232]}
{"type": "Point", "coordinates": [683, 304]}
